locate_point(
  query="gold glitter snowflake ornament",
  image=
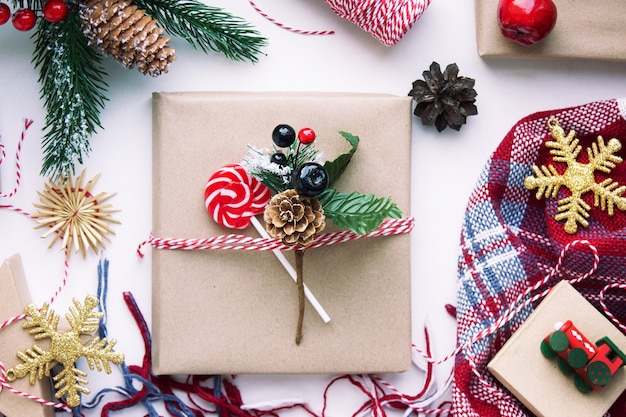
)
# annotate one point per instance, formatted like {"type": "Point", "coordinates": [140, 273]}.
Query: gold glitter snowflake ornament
{"type": "Point", "coordinates": [65, 348]}
{"type": "Point", "coordinates": [74, 215]}
{"type": "Point", "coordinates": [579, 178]}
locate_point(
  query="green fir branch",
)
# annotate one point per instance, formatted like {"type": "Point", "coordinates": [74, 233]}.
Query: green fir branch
{"type": "Point", "coordinates": [73, 89]}
{"type": "Point", "coordinates": [206, 27]}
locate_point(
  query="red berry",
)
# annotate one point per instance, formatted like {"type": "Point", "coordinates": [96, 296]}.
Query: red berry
{"type": "Point", "coordinates": [5, 13]}
{"type": "Point", "coordinates": [24, 20]}
{"type": "Point", "coordinates": [55, 10]}
{"type": "Point", "coordinates": [306, 136]}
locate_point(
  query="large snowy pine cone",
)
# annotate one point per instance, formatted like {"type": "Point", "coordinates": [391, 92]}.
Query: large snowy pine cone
{"type": "Point", "coordinates": [293, 218]}
{"type": "Point", "coordinates": [128, 34]}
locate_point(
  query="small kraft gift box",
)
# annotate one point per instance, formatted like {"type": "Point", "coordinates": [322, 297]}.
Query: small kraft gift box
{"type": "Point", "coordinates": [234, 311]}
{"type": "Point", "coordinates": [537, 380]}
{"type": "Point", "coordinates": [13, 338]}
{"type": "Point", "coordinates": [584, 30]}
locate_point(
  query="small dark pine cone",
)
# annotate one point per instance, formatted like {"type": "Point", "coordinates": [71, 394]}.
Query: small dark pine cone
{"type": "Point", "coordinates": [293, 218]}
{"type": "Point", "coordinates": [444, 99]}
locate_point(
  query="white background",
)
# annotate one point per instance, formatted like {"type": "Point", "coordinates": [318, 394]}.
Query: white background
{"type": "Point", "coordinates": [445, 165]}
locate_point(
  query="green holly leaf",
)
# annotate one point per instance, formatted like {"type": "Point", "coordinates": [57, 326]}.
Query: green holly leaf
{"type": "Point", "coordinates": [336, 167]}
{"type": "Point", "coordinates": [361, 213]}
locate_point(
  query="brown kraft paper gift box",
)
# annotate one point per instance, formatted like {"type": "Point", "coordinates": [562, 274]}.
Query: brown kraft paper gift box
{"type": "Point", "coordinates": [536, 380]}
{"type": "Point", "coordinates": [229, 312]}
{"type": "Point", "coordinates": [584, 30]}
{"type": "Point", "coordinates": [13, 338]}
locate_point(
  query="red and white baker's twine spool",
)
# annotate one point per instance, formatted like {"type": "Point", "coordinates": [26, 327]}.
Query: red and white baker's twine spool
{"type": "Point", "coordinates": [3, 376]}
{"type": "Point", "coordinates": [240, 242]}
{"type": "Point", "coordinates": [386, 20]}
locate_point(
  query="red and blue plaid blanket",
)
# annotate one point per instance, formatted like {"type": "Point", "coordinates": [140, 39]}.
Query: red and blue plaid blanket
{"type": "Point", "coordinates": [511, 241]}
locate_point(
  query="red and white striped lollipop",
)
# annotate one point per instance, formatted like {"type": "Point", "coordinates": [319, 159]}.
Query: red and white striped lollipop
{"type": "Point", "coordinates": [233, 198]}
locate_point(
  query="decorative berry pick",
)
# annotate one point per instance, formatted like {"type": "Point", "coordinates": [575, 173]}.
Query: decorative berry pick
{"type": "Point", "coordinates": [304, 197]}
{"type": "Point", "coordinates": [65, 348]}
{"type": "Point", "coordinates": [444, 99]}
{"type": "Point", "coordinates": [298, 165]}
{"type": "Point", "coordinates": [74, 215]}
{"type": "Point", "coordinates": [578, 177]}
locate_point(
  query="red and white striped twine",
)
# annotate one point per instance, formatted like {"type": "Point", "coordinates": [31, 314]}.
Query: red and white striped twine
{"type": "Point", "coordinates": [514, 309]}
{"type": "Point", "coordinates": [606, 310]}
{"type": "Point", "coordinates": [18, 168]}
{"type": "Point", "coordinates": [386, 20]}
{"type": "Point", "coordinates": [289, 28]}
{"type": "Point", "coordinates": [3, 376]}
{"type": "Point", "coordinates": [518, 305]}
{"type": "Point", "coordinates": [240, 242]}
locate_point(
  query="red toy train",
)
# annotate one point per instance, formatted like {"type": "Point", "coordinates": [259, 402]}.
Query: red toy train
{"type": "Point", "coordinates": [593, 365]}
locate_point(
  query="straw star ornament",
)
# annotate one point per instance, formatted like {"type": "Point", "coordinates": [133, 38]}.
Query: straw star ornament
{"type": "Point", "coordinates": [74, 215]}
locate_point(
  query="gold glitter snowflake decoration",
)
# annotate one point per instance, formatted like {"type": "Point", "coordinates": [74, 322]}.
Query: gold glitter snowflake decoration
{"type": "Point", "coordinates": [74, 215]}
{"type": "Point", "coordinates": [579, 178]}
{"type": "Point", "coordinates": [65, 348]}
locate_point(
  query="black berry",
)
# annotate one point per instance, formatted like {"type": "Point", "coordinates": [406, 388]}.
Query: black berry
{"type": "Point", "coordinates": [283, 136]}
{"type": "Point", "coordinates": [310, 179]}
{"type": "Point", "coordinates": [279, 158]}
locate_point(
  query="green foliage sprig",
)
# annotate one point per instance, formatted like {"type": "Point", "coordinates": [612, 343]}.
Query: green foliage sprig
{"type": "Point", "coordinates": [336, 167]}
{"type": "Point", "coordinates": [73, 89]}
{"type": "Point", "coordinates": [361, 213]}
{"type": "Point", "coordinates": [72, 77]}
{"type": "Point", "coordinates": [207, 28]}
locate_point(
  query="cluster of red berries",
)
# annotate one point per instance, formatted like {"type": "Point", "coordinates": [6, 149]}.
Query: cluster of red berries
{"type": "Point", "coordinates": [26, 18]}
{"type": "Point", "coordinates": [310, 178]}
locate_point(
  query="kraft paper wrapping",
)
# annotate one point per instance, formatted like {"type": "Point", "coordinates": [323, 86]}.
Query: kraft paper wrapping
{"type": "Point", "coordinates": [584, 29]}
{"type": "Point", "coordinates": [13, 338]}
{"type": "Point", "coordinates": [228, 312]}
{"type": "Point", "coordinates": [537, 381]}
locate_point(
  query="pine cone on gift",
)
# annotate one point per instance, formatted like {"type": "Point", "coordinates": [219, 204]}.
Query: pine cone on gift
{"type": "Point", "coordinates": [293, 218]}
{"type": "Point", "coordinates": [128, 34]}
{"type": "Point", "coordinates": [444, 99]}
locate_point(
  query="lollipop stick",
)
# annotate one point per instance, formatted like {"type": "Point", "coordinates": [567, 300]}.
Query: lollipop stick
{"type": "Point", "coordinates": [300, 281]}
{"type": "Point", "coordinates": [292, 272]}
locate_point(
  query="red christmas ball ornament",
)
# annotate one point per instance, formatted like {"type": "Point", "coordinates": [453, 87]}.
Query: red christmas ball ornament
{"type": "Point", "coordinates": [5, 13]}
{"type": "Point", "coordinates": [306, 136]}
{"type": "Point", "coordinates": [55, 10]}
{"type": "Point", "coordinates": [24, 20]}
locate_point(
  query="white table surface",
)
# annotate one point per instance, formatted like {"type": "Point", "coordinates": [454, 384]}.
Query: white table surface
{"type": "Point", "coordinates": [445, 165]}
